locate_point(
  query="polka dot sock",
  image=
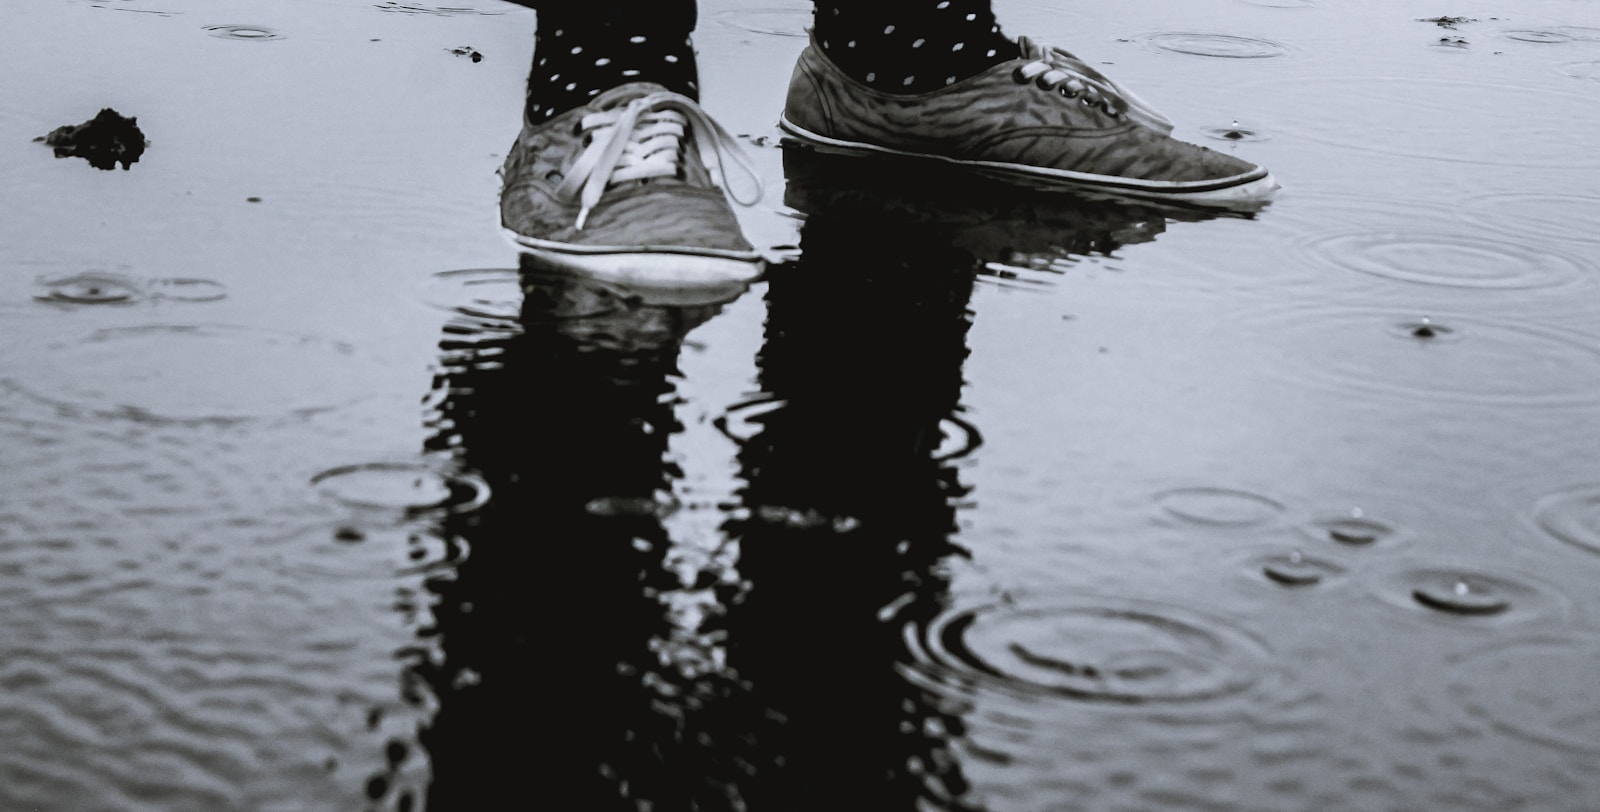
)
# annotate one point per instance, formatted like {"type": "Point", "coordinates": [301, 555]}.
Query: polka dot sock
{"type": "Point", "coordinates": [573, 64]}
{"type": "Point", "coordinates": [911, 46]}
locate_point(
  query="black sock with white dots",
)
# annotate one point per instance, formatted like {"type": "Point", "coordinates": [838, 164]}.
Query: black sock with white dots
{"type": "Point", "coordinates": [573, 64]}
{"type": "Point", "coordinates": [911, 46]}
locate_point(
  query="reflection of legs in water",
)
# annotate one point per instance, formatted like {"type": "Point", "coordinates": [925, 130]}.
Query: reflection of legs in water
{"type": "Point", "coordinates": [850, 501]}
{"type": "Point", "coordinates": [564, 666]}
{"type": "Point", "coordinates": [547, 683]}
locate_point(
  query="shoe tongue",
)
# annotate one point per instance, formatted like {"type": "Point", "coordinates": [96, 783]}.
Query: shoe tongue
{"type": "Point", "coordinates": [622, 94]}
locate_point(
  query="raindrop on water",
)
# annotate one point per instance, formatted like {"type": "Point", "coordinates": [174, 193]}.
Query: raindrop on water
{"type": "Point", "coordinates": [90, 288]}
{"type": "Point", "coordinates": [1461, 599]}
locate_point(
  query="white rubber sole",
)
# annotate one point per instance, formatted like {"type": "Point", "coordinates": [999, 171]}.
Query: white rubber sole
{"type": "Point", "coordinates": [656, 277]}
{"type": "Point", "coordinates": [1247, 190]}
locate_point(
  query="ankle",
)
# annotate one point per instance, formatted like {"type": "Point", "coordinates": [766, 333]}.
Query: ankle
{"type": "Point", "coordinates": [573, 65]}
{"type": "Point", "coordinates": [911, 46]}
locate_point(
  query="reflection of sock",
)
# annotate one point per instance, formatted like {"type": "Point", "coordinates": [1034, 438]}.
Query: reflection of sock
{"type": "Point", "coordinates": [572, 65]}
{"type": "Point", "coordinates": [911, 46]}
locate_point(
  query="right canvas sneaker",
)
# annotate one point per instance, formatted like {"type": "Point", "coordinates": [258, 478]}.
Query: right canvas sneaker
{"type": "Point", "coordinates": [1042, 119]}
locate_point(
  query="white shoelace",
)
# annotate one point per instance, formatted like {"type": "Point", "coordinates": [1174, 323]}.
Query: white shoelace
{"type": "Point", "coordinates": [1053, 67]}
{"type": "Point", "coordinates": [644, 139]}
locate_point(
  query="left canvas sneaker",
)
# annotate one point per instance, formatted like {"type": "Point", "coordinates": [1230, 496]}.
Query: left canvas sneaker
{"type": "Point", "coordinates": [631, 188]}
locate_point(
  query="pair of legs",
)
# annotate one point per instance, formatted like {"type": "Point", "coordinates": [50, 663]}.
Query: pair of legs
{"type": "Point", "coordinates": [904, 46]}
{"type": "Point", "coordinates": [618, 173]}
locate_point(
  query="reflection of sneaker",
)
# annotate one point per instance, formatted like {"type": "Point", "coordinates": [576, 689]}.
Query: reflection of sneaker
{"type": "Point", "coordinates": [625, 188]}
{"type": "Point", "coordinates": [1044, 118]}
{"type": "Point", "coordinates": [1011, 233]}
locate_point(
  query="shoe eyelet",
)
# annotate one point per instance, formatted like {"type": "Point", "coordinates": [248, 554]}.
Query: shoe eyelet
{"type": "Point", "coordinates": [554, 176]}
{"type": "Point", "coordinates": [1016, 76]}
{"type": "Point", "coordinates": [1068, 93]}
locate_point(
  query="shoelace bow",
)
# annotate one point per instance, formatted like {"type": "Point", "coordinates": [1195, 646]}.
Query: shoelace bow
{"type": "Point", "coordinates": [644, 139]}
{"type": "Point", "coordinates": [1054, 68]}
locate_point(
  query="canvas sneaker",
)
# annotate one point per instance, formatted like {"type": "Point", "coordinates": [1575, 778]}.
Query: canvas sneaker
{"type": "Point", "coordinates": [1044, 118]}
{"type": "Point", "coordinates": [631, 188]}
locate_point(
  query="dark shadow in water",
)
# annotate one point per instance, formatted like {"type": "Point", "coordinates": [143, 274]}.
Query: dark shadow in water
{"type": "Point", "coordinates": [573, 659]}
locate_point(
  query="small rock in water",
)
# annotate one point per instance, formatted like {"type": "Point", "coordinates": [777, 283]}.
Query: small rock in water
{"type": "Point", "coordinates": [469, 52]}
{"type": "Point", "coordinates": [104, 141]}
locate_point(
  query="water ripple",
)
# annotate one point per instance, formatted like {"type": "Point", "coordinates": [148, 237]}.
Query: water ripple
{"type": "Point", "coordinates": [106, 288]}
{"type": "Point", "coordinates": [1543, 215]}
{"type": "Point", "coordinates": [1467, 593]}
{"type": "Point", "coordinates": [1444, 120]}
{"type": "Point", "coordinates": [90, 288]}
{"type": "Point", "coordinates": [248, 33]}
{"type": "Point", "coordinates": [403, 487]}
{"type": "Point", "coordinates": [1118, 651]}
{"type": "Point", "coordinates": [1543, 690]}
{"type": "Point", "coordinates": [1225, 46]}
{"type": "Point", "coordinates": [776, 22]}
{"type": "Point", "coordinates": [487, 297]}
{"type": "Point", "coordinates": [1354, 529]}
{"type": "Point", "coordinates": [1445, 258]}
{"type": "Point", "coordinates": [1219, 506]}
{"type": "Point", "coordinates": [1291, 569]}
{"type": "Point", "coordinates": [1477, 360]}
{"type": "Point", "coordinates": [190, 374]}
{"type": "Point", "coordinates": [1589, 70]}
{"type": "Point", "coordinates": [1572, 516]}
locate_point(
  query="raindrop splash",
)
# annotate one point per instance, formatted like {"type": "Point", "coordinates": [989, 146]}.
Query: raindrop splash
{"type": "Point", "coordinates": [90, 288]}
{"type": "Point", "coordinates": [1224, 46]}
{"type": "Point", "coordinates": [1118, 652]}
{"type": "Point", "coordinates": [248, 33]}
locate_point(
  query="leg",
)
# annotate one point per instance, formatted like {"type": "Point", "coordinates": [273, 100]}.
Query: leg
{"type": "Point", "coordinates": [582, 49]}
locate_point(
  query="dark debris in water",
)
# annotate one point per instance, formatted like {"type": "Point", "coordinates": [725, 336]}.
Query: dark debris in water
{"type": "Point", "coordinates": [467, 51]}
{"type": "Point", "coordinates": [1446, 22]}
{"type": "Point", "coordinates": [104, 141]}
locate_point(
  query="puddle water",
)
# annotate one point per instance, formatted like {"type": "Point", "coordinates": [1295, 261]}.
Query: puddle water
{"type": "Point", "coordinates": [980, 498]}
